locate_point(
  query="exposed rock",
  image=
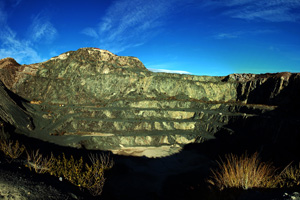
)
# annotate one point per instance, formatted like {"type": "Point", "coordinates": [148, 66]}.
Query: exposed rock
{"type": "Point", "coordinates": [292, 196]}
{"type": "Point", "coordinates": [11, 112]}
{"type": "Point", "coordinates": [94, 99]}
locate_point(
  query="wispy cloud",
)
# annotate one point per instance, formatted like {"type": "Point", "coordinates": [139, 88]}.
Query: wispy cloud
{"type": "Point", "coordinates": [42, 29]}
{"type": "Point", "coordinates": [15, 2]}
{"type": "Point", "coordinates": [90, 32]}
{"type": "Point", "coordinates": [169, 71]}
{"type": "Point", "coordinates": [221, 36]}
{"type": "Point", "coordinates": [273, 48]}
{"type": "Point", "coordinates": [3, 14]}
{"type": "Point", "coordinates": [130, 23]}
{"type": "Point", "coordinates": [273, 11]}
{"type": "Point", "coordinates": [23, 49]}
{"type": "Point", "coordinates": [239, 34]}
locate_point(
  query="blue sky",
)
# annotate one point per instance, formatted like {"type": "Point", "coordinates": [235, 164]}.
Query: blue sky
{"type": "Point", "coordinates": [201, 37]}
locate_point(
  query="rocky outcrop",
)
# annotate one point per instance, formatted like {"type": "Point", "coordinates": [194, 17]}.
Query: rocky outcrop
{"type": "Point", "coordinates": [94, 99]}
{"type": "Point", "coordinates": [13, 113]}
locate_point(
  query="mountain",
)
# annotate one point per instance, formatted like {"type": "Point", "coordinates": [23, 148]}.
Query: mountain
{"type": "Point", "coordinates": [94, 99]}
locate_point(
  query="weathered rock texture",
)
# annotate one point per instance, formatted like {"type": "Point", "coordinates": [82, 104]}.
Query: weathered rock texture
{"type": "Point", "coordinates": [94, 99]}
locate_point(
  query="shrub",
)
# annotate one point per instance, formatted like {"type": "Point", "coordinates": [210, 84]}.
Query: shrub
{"type": "Point", "coordinates": [36, 162]}
{"type": "Point", "coordinates": [83, 175]}
{"type": "Point", "coordinates": [86, 176]}
{"type": "Point", "coordinates": [70, 169]}
{"type": "Point", "coordinates": [94, 178]}
{"type": "Point", "coordinates": [102, 160]}
{"type": "Point", "coordinates": [11, 149]}
{"type": "Point", "coordinates": [290, 176]}
{"type": "Point", "coordinates": [243, 172]}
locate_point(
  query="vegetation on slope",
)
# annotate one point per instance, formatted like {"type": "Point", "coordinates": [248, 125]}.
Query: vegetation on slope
{"type": "Point", "coordinates": [85, 175]}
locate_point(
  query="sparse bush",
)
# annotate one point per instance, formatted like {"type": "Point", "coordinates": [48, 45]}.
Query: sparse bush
{"type": "Point", "coordinates": [11, 149]}
{"type": "Point", "coordinates": [70, 169]}
{"type": "Point", "coordinates": [102, 160]}
{"type": "Point", "coordinates": [38, 163]}
{"type": "Point", "coordinates": [83, 175]}
{"type": "Point", "coordinates": [86, 176]}
{"type": "Point", "coordinates": [243, 172]}
{"type": "Point", "coordinates": [290, 176]}
{"type": "Point", "coordinates": [94, 178]}
{"type": "Point", "coordinates": [100, 163]}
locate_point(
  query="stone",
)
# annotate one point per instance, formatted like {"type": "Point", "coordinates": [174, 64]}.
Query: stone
{"type": "Point", "coordinates": [94, 99]}
{"type": "Point", "coordinates": [13, 113]}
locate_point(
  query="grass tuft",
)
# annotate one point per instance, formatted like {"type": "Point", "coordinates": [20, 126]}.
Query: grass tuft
{"type": "Point", "coordinates": [243, 172]}
{"type": "Point", "coordinates": [290, 176]}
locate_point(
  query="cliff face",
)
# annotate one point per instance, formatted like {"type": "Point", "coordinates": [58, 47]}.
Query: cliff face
{"type": "Point", "coordinates": [94, 99]}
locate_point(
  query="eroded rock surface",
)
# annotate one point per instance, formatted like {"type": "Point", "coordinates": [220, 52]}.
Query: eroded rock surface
{"type": "Point", "coordinates": [94, 99]}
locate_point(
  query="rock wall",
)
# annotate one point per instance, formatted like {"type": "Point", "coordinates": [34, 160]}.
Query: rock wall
{"type": "Point", "coordinates": [94, 99]}
{"type": "Point", "coordinates": [13, 113]}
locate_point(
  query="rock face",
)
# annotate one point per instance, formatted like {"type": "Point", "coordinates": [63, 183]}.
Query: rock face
{"type": "Point", "coordinates": [94, 99]}
{"type": "Point", "coordinates": [13, 113]}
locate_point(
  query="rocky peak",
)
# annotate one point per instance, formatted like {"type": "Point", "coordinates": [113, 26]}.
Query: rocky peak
{"type": "Point", "coordinates": [8, 62]}
{"type": "Point", "coordinates": [97, 58]}
{"type": "Point", "coordinates": [8, 71]}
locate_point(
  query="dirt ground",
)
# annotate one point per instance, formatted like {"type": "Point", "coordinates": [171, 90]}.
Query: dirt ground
{"type": "Point", "coordinates": [169, 178]}
{"type": "Point", "coordinates": [18, 183]}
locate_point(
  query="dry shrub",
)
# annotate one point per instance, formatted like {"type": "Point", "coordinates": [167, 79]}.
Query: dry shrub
{"type": "Point", "coordinates": [94, 177]}
{"type": "Point", "coordinates": [38, 163]}
{"type": "Point", "coordinates": [11, 149]}
{"type": "Point", "coordinates": [86, 176]}
{"type": "Point", "coordinates": [100, 163]}
{"type": "Point", "coordinates": [70, 168]}
{"type": "Point", "coordinates": [83, 175]}
{"type": "Point", "coordinates": [290, 176]}
{"type": "Point", "coordinates": [243, 172]}
{"type": "Point", "coordinates": [102, 160]}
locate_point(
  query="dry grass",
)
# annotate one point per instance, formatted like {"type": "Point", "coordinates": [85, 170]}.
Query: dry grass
{"type": "Point", "coordinates": [100, 163]}
{"type": "Point", "coordinates": [11, 149]}
{"type": "Point", "coordinates": [102, 159]}
{"type": "Point", "coordinates": [243, 172]}
{"type": "Point", "coordinates": [290, 176]}
{"type": "Point", "coordinates": [83, 175]}
{"type": "Point", "coordinates": [70, 169]}
{"type": "Point", "coordinates": [38, 163]}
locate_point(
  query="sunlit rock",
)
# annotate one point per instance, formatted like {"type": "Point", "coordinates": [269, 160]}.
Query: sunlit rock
{"type": "Point", "coordinates": [94, 99]}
